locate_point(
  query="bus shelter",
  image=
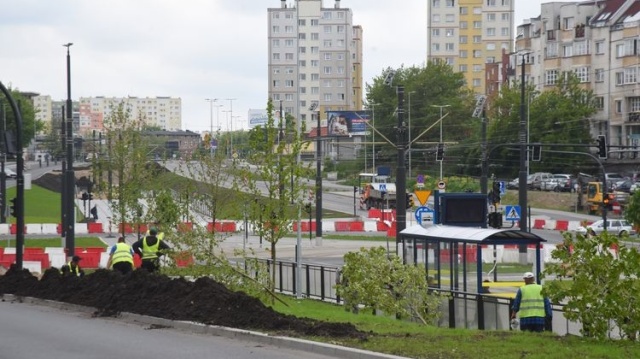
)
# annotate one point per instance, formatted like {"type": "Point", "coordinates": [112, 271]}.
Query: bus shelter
{"type": "Point", "coordinates": [453, 256]}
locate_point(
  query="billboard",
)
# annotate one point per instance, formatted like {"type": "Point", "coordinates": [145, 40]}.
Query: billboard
{"type": "Point", "coordinates": [257, 118]}
{"type": "Point", "coordinates": [347, 123]}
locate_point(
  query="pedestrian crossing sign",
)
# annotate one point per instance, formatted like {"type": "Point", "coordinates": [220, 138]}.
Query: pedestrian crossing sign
{"type": "Point", "coordinates": [512, 213]}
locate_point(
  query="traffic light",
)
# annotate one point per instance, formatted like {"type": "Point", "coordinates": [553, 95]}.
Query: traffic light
{"type": "Point", "coordinates": [14, 207]}
{"type": "Point", "coordinates": [495, 220]}
{"type": "Point", "coordinates": [440, 152]}
{"type": "Point", "coordinates": [537, 153]}
{"type": "Point", "coordinates": [494, 195]}
{"type": "Point", "coordinates": [409, 200]}
{"type": "Point", "coordinates": [602, 147]}
{"type": "Point", "coordinates": [85, 196]}
{"type": "Point", "coordinates": [607, 200]}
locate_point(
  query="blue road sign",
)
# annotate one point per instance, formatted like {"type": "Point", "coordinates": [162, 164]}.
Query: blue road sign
{"type": "Point", "coordinates": [383, 187]}
{"type": "Point", "coordinates": [512, 213]}
{"type": "Point", "coordinates": [422, 212]}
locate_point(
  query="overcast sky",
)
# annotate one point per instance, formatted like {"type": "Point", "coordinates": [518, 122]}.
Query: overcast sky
{"type": "Point", "coordinates": [192, 49]}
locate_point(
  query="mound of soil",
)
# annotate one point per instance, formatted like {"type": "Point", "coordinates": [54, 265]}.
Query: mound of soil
{"type": "Point", "coordinates": [204, 301]}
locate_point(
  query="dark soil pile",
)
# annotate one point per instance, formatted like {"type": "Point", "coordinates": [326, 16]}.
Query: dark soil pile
{"type": "Point", "coordinates": [204, 301]}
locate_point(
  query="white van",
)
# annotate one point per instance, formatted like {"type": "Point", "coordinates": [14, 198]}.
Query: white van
{"type": "Point", "coordinates": [536, 179]}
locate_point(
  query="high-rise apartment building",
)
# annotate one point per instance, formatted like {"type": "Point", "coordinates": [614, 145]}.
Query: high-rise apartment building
{"type": "Point", "coordinates": [599, 42]}
{"type": "Point", "coordinates": [467, 34]}
{"type": "Point", "coordinates": [315, 56]}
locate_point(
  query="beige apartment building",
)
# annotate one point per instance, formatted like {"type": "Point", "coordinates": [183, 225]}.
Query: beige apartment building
{"type": "Point", "coordinates": [598, 41]}
{"type": "Point", "coordinates": [467, 34]}
{"type": "Point", "coordinates": [315, 57]}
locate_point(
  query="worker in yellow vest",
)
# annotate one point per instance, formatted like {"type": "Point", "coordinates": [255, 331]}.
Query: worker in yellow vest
{"type": "Point", "coordinates": [150, 248]}
{"type": "Point", "coordinates": [534, 309]}
{"type": "Point", "coordinates": [72, 268]}
{"type": "Point", "coordinates": [121, 257]}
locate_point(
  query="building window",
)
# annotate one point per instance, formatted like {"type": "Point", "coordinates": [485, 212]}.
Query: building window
{"type": "Point", "coordinates": [618, 104]}
{"type": "Point", "coordinates": [315, 36]}
{"type": "Point", "coordinates": [275, 29]}
{"type": "Point", "coordinates": [464, 25]}
{"type": "Point", "coordinates": [327, 29]}
{"type": "Point", "coordinates": [581, 48]}
{"type": "Point", "coordinates": [463, 39]}
{"type": "Point", "coordinates": [567, 50]}
{"type": "Point", "coordinates": [288, 97]}
{"type": "Point", "coordinates": [491, 2]}
{"type": "Point", "coordinates": [598, 102]}
{"type": "Point", "coordinates": [477, 39]}
{"type": "Point", "coordinates": [314, 63]}
{"type": "Point", "coordinates": [634, 104]}
{"type": "Point", "coordinates": [599, 75]}
{"type": "Point", "coordinates": [449, 32]}
{"type": "Point", "coordinates": [435, 18]}
{"type": "Point", "coordinates": [504, 31]}
{"type": "Point", "coordinates": [505, 16]}
{"type": "Point", "coordinates": [327, 43]}
{"type": "Point", "coordinates": [435, 47]}
{"type": "Point", "coordinates": [341, 56]}
{"type": "Point", "coordinates": [340, 29]}
{"type": "Point", "coordinates": [340, 15]}
{"type": "Point", "coordinates": [326, 83]}
{"type": "Point", "coordinates": [302, 36]}
{"type": "Point", "coordinates": [600, 47]}
{"type": "Point", "coordinates": [477, 11]}
{"type": "Point", "coordinates": [341, 70]}
{"type": "Point", "coordinates": [464, 10]}
{"type": "Point", "coordinates": [491, 59]}
{"type": "Point", "coordinates": [450, 3]}
{"type": "Point", "coordinates": [552, 49]}
{"type": "Point", "coordinates": [276, 70]}
{"type": "Point", "coordinates": [630, 75]}
{"type": "Point", "coordinates": [288, 29]}
{"type": "Point", "coordinates": [582, 73]}
{"type": "Point", "coordinates": [491, 17]}
{"type": "Point", "coordinates": [276, 83]}
{"type": "Point", "coordinates": [449, 61]}
{"type": "Point", "coordinates": [302, 77]}
{"type": "Point", "coordinates": [326, 15]}
{"type": "Point", "coordinates": [315, 49]}
{"type": "Point", "coordinates": [449, 47]}
{"type": "Point", "coordinates": [477, 82]}
{"type": "Point", "coordinates": [288, 83]}
{"type": "Point", "coordinates": [302, 22]}
{"type": "Point", "coordinates": [302, 63]}
{"type": "Point", "coordinates": [340, 43]}
{"type": "Point", "coordinates": [288, 56]}
{"type": "Point", "coordinates": [435, 3]}
{"type": "Point", "coordinates": [462, 68]}
{"type": "Point", "coordinates": [327, 97]}
{"type": "Point", "coordinates": [477, 24]}
{"type": "Point", "coordinates": [314, 22]}
{"type": "Point", "coordinates": [477, 68]}
{"type": "Point", "coordinates": [340, 83]}
{"type": "Point", "coordinates": [288, 43]}
{"type": "Point", "coordinates": [275, 15]}
{"type": "Point", "coordinates": [435, 32]}
{"type": "Point", "coordinates": [327, 56]}
{"type": "Point", "coordinates": [491, 46]}
{"type": "Point", "coordinates": [289, 70]}
{"type": "Point", "coordinates": [477, 54]}
{"type": "Point", "coordinates": [315, 90]}
{"type": "Point", "coordinates": [449, 18]}
{"type": "Point", "coordinates": [463, 54]}
{"type": "Point", "coordinates": [551, 77]}
{"type": "Point", "coordinates": [327, 70]}
{"type": "Point", "coordinates": [567, 23]}
{"type": "Point", "coordinates": [275, 43]}
{"type": "Point", "coordinates": [288, 15]}
{"type": "Point", "coordinates": [276, 56]}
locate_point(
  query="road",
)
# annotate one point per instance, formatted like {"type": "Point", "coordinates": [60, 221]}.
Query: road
{"type": "Point", "coordinates": [41, 332]}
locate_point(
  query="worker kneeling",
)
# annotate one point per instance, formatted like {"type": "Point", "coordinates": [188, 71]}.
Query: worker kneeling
{"type": "Point", "coordinates": [121, 257]}
{"type": "Point", "coordinates": [150, 248]}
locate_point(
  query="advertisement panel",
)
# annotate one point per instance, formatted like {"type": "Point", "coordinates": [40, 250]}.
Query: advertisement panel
{"type": "Point", "coordinates": [347, 123]}
{"type": "Point", "coordinates": [257, 118]}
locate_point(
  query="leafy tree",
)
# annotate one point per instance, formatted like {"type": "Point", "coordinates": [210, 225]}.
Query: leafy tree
{"type": "Point", "coordinates": [632, 210]}
{"type": "Point", "coordinates": [433, 85]}
{"type": "Point", "coordinates": [558, 115]}
{"type": "Point", "coordinates": [378, 282]}
{"type": "Point", "coordinates": [604, 285]}
{"type": "Point", "coordinates": [274, 192]}
{"type": "Point", "coordinates": [127, 163]}
{"type": "Point", "coordinates": [30, 126]}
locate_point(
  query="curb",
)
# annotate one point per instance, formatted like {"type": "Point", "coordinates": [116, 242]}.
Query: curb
{"type": "Point", "coordinates": [232, 333]}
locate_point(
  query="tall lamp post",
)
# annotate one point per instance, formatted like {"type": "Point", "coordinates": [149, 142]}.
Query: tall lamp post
{"type": "Point", "coordinates": [373, 138]}
{"type": "Point", "coordinates": [211, 101]}
{"type": "Point", "coordinates": [313, 108]}
{"type": "Point", "coordinates": [409, 145]}
{"type": "Point", "coordinates": [441, 107]}
{"type": "Point", "coordinates": [522, 175]}
{"type": "Point", "coordinates": [70, 175]}
{"type": "Point", "coordinates": [231, 124]}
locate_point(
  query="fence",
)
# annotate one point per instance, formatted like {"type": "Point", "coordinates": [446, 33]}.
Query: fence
{"type": "Point", "coordinates": [461, 310]}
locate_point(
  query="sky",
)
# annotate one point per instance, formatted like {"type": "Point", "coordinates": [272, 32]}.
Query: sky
{"type": "Point", "coordinates": [191, 49]}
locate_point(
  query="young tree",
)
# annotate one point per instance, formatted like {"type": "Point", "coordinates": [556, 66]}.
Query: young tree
{"type": "Point", "coordinates": [604, 285]}
{"type": "Point", "coordinates": [127, 167]}
{"type": "Point", "coordinates": [275, 191]}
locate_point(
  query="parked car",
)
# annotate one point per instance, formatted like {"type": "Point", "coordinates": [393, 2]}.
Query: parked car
{"type": "Point", "coordinates": [514, 184]}
{"type": "Point", "coordinates": [619, 227]}
{"type": "Point", "coordinates": [623, 186]}
{"type": "Point", "coordinates": [634, 187]}
{"type": "Point", "coordinates": [559, 183]}
{"type": "Point", "coordinates": [10, 173]}
{"type": "Point", "coordinates": [537, 179]}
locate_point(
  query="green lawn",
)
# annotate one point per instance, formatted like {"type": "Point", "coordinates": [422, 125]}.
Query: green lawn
{"type": "Point", "coordinates": [40, 205]}
{"type": "Point", "coordinates": [388, 335]}
{"type": "Point", "coordinates": [80, 242]}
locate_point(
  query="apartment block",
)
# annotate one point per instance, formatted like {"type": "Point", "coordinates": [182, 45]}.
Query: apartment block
{"type": "Point", "coordinates": [315, 57]}
{"type": "Point", "coordinates": [467, 34]}
{"type": "Point", "coordinates": [599, 42]}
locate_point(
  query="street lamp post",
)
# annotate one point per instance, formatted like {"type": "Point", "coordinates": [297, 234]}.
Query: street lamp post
{"type": "Point", "coordinates": [70, 175]}
{"type": "Point", "coordinates": [211, 101]}
{"type": "Point", "coordinates": [441, 107]}
{"type": "Point", "coordinates": [231, 125]}
{"type": "Point", "coordinates": [373, 139]}
{"type": "Point", "coordinates": [409, 146]}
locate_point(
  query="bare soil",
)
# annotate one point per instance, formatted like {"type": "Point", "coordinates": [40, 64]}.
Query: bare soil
{"type": "Point", "coordinates": [204, 300]}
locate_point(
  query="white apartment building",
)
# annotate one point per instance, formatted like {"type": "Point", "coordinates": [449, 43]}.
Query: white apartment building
{"type": "Point", "coordinates": [43, 109]}
{"type": "Point", "coordinates": [467, 34]}
{"type": "Point", "coordinates": [315, 56]}
{"type": "Point", "coordinates": [164, 112]}
{"type": "Point", "coordinates": [600, 42]}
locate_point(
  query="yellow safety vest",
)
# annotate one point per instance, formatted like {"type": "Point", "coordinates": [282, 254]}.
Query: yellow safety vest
{"type": "Point", "coordinates": [531, 301]}
{"type": "Point", "coordinates": [159, 235]}
{"type": "Point", "coordinates": [73, 270]}
{"type": "Point", "coordinates": [150, 252]}
{"type": "Point", "coordinates": [122, 254]}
